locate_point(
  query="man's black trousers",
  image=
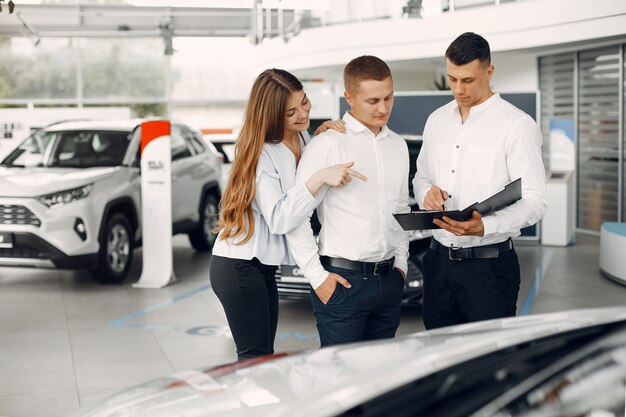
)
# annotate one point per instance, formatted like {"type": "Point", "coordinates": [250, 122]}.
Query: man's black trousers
{"type": "Point", "coordinates": [468, 290]}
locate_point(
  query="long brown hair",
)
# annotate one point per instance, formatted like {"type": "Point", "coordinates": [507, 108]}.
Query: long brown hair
{"type": "Point", "coordinates": [264, 121]}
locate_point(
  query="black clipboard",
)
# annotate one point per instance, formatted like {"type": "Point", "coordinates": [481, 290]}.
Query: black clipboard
{"type": "Point", "coordinates": [423, 219]}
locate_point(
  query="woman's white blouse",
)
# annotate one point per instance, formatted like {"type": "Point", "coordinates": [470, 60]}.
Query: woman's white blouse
{"type": "Point", "coordinates": [278, 206]}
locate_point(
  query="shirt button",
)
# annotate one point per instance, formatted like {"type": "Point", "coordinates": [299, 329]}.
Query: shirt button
{"type": "Point", "coordinates": [453, 171]}
{"type": "Point", "coordinates": [457, 146]}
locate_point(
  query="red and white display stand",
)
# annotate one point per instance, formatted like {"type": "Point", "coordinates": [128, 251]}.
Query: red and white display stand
{"type": "Point", "coordinates": [156, 205]}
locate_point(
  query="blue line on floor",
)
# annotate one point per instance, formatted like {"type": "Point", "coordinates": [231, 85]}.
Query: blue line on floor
{"type": "Point", "coordinates": [297, 335]}
{"type": "Point", "coordinates": [120, 322]}
{"type": "Point", "coordinates": [534, 288]}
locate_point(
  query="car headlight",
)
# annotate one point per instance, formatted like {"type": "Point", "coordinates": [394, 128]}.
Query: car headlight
{"type": "Point", "coordinates": [415, 283]}
{"type": "Point", "coordinates": [61, 198]}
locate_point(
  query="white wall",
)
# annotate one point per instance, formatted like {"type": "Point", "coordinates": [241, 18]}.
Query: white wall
{"type": "Point", "coordinates": [515, 72]}
{"type": "Point", "coordinates": [210, 117]}
{"type": "Point", "coordinates": [510, 26]}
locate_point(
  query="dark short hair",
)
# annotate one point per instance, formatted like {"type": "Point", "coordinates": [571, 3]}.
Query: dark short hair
{"type": "Point", "coordinates": [468, 47]}
{"type": "Point", "coordinates": [363, 68]}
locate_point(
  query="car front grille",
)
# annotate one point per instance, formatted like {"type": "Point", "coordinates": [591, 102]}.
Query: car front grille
{"type": "Point", "coordinates": [292, 290]}
{"type": "Point", "coordinates": [27, 253]}
{"type": "Point", "coordinates": [17, 214]}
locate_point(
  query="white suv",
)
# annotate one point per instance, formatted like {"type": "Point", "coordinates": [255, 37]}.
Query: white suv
{"type": "Point", "coordinates": [70, 196]}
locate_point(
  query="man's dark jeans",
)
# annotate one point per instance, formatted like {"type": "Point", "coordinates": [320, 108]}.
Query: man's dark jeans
{"type": "Point", "coordinates": [369, 310]}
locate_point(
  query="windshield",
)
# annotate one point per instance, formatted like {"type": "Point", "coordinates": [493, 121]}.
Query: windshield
{"type": "Point", "coordinates": [588, 382]}
{"type": "Point", "coordinates": [579, 373]}
{"type": "Point", "coordinates": [71, 149]}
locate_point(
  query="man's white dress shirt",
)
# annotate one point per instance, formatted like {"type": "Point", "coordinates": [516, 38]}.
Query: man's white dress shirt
{"type": "Point", "coordinates": [497, 144]}
{"type": "Point", "coordinates": [278, 206]}
{"type": "Point", "coordinates": [357, 221]}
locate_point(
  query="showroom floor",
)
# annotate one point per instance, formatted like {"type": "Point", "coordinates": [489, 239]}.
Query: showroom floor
{"type": "Point", "coordinates": [66, 342]}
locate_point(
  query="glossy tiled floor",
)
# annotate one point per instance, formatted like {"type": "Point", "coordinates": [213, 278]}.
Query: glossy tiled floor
{"type": "Point", "coordinates": [66, 342]}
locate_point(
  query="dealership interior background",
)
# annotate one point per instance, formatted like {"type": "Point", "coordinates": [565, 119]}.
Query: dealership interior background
{"type": "Point", "coordinates": [67, 341]}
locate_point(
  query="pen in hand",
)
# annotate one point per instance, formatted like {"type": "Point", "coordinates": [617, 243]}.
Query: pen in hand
{"type": "Point", "coordinates": [435, 198]}
{"type": "Point", "coordinates": [444, 198]}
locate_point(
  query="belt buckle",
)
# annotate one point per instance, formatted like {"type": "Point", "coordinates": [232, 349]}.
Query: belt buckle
{"type": "Point", "coordinates": [382, 268]}
{"type": "Point", "coordinates": [451, 255]}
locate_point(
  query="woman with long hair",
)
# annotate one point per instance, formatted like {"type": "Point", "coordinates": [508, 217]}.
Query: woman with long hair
{"type": "Point", "coordinates": [260, 204]}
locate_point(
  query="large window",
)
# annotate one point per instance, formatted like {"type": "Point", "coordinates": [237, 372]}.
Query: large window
{"type": "Point", "coordinates": [586, 87]}
{"type": "Point", "coordinates": [556, 78]}
{"type": "Point", "coordinates": [45, 71]}
{"type": "Point", "coordinates": [598, 125]}
{"type": "Point", "coordinates": [133, 68]}
{"type": "Point", "coordinates": [127, 72]}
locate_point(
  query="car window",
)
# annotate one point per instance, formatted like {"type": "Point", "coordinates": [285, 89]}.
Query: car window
{"type": "Point", "coordinates": [587, 382]}
{"type": "Point", "coordinates": [89, 148]}
{"type": "Point", "coordinates": [187, 137]}
{"type": "Point", "coordinates": [227, 149]}
{"type": "Point", "coordinates": [72, 149]}
{"type": "Point", "coordinates": [195, 143]}
{"type": "Point", "coordinates": [180, 149]}
{"type": "Point", "coordinates": [32, 152]}
{"type": "Point", "coordinates": [471, 386]}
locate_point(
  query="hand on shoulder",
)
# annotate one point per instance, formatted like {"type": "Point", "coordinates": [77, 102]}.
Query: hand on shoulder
{"type": "Point", "coordinates": [338, 125]}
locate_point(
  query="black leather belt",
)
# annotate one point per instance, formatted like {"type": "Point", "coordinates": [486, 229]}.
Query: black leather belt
{"type": "Point", "coordinates": [368, 268]}
{"type": "Point", "coordinates": [477, 252]}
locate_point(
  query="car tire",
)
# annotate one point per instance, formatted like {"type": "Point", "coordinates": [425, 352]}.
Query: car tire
{"type": "Point", "coordinates": [202, 238]}
{"type": "Point", "coordinates": [116, 251]}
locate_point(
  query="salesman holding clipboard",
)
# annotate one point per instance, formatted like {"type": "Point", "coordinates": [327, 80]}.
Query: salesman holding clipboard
{"type": "Point", "coordinates": [473, 147]}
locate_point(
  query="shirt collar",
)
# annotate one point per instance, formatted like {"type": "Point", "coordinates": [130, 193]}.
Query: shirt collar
{"type": "Point", "coordinates": [481, 107]}
{"type": "Point", "coordinates": [358, 127]}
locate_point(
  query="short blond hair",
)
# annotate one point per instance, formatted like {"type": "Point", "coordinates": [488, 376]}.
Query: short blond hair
{"type": "Point", "coordinates": [366, 67]}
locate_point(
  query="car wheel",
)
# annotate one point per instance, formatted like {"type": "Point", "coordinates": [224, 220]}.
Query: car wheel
{"type": "Point", "coordinates": [116, 251]}
{"type": "Point", "coordinates": [202, 238]}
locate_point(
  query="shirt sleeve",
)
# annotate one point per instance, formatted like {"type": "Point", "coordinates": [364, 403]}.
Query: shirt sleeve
{"type": "Point", "coordinates": [523, 160]}
{"type": "Point", "coordinates": [400, 236]}
{"type": "Point", "coordinates": [302, 244]}
{"type": "Point", "coordinates": [422, 181]}
{"type": "Point", "coordinates": [281, 210]}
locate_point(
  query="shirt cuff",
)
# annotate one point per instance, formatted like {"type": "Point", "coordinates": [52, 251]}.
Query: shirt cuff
{"type": "Point", "coordinates": [401, 263]}
{"type": "Point", "coordinates": [306, 198]}
{"type": "Point", "coordinates": [489, 225]}
{"type": "Point", "coordinates": [420, 199]}
{"type": "Point", "coordinates": [318, 279]}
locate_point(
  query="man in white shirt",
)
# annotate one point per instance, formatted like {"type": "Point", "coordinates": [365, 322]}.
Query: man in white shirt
{"type": "Point", "coordinates": [473, 147]}
{"type": "Point", "coordinates": [358, 275]}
